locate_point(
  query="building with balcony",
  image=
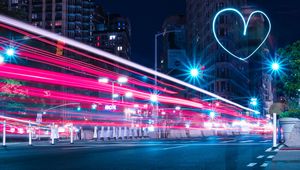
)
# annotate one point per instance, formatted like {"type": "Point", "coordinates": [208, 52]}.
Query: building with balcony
{"type": "Point", "coordinates": [70, 18]}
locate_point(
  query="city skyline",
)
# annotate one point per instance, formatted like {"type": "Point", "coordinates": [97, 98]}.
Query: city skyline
{"type": "Point", "coordinates": [143, 33]}
{"type": "Point", "coordinates": [160, 85]}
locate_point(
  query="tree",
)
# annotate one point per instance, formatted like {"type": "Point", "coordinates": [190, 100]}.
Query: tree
{"type": "Point", "coordinates": [291, 78]}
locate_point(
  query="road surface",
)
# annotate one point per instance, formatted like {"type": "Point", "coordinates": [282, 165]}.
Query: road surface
{"type": "Point", "coordinates": [211, 153]}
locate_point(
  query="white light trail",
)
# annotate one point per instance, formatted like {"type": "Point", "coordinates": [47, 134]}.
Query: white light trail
{"type": "Point", "coordinates": [17, 120]}
{"type": "Point", "coordinates": [30, 28]}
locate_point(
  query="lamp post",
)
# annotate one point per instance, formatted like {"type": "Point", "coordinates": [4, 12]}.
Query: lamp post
{"type": "Point", "coordinates": [275, 66]}
{"type": "Point", "coordinates": [155, 63]}
{"type": "Point", "coordinates": [121, 80]}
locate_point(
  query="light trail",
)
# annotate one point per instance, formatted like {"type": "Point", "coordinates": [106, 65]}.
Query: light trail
{"type": "Point", "coordinates": [17, 120]}
{"type": "Point", "coordinates": [86, 55]}
{"type": "Point", "coordinates": [30, 74]}
{"type": "Point", "coordinates": [82, 46]}
{"type": "Point", "coordinates": [78, 66]}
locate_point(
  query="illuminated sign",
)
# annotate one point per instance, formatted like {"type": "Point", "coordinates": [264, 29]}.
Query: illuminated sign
{"type": "Point", "coordinates": [110, 107]}
{"type": "Point", "coordinates": [244, 31]}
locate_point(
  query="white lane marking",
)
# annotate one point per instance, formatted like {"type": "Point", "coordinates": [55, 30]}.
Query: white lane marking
{"type": "Point", "coordinates": [251, 164]}
{"type": "Point", "coordinates": [227, 141]}
{"type": "Point", "coordinates": [81, 147]}
{"type": "Point", "coordinates": [260, 156]}
{"type": "Point", "coordinates": [175, 147]}
{"type": "Point", "coordinates": [264, 165]}
{"type": "Point", "coordinates": [276, 150]}
{"type": "Point", "coordinates": [270, 157]}
{"type": "Point", "coordinates": [269, 149]}
{"type": "Point", "coordinates": [246, 141]}
{"type": "Point", "coordinates": [264, 141]}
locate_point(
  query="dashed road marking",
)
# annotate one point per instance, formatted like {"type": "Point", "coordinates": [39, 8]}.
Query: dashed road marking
{"type": "Point", "coordinates": [175, 147]}
{"type": "Point", "coordinates": [264, 165]}
{"type": "Point", "coordinates": [269, 149]}
{"type": "Point", "coordinates": [265, 141]}
{"type": "Point", "coordinates": [246, 141]}
{"type": "Point", "coordinates": [260, 156]}
{"type": "Point", "coordinates": [276, 150]}
{"type": "Point", "coordinates": [81, 147]}
{"type": "Point", "coordinates": [227, 141]}
{"type": "Point", "coordinates": [270, 157]}
{"type": "Point", "coordinates": [251, 164]}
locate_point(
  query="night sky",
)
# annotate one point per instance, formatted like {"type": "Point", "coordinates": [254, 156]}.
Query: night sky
{"type": "Point", "coordinates": [147, 16]}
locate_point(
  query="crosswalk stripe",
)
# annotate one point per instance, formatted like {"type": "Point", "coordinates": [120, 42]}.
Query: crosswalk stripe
{"type": "Point", "coordinates": [251, 164]}
{"type": "Point", "coordinates": [246, 141]}
{"type": "Point", "coordinates": [270, 157]}
{"type": "Point", "coordinates": [264, 165]}
{"type": "Point", "coordinates": [269, 150]}
{"type": "Point", "coordinates": [260, 156]}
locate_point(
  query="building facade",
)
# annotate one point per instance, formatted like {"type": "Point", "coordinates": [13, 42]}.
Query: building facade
{"type": "Point", "coordinates": [260, 84]}
{"type": "Point", "coordinates": [224, 75]}
{"type": "Point", "coordinates": [113, 34]}
{"type": "Point", "coordinates": [173, 54]}
{"type": "Point", "coordinates": [70, 18]}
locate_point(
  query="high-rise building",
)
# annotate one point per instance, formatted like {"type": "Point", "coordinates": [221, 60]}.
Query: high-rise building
{"type": "Point", "coordinates": [224, 75]}
{"type": "Point", "coordinates": [173, 54]}
{"type": "Point", "coordinates": [113, 34]}
{"type": "Point", "coordinates": [70, 18]}
{"type": "Point", "coordinates": [260, 84]}
{"type": "Point", "coordinates": [15, 8]}
{"type": "Point", "coordinates": [17, 5]}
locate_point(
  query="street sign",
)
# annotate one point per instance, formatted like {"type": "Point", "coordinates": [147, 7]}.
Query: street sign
{"type": "Point", "coordinates": [110, 107]}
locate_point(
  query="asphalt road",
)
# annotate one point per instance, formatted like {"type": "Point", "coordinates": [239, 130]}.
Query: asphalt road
{"type": "Point", "coordinates": [211, 153]}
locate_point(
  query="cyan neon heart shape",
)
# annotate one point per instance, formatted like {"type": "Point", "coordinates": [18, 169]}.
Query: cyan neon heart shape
{"type": "Point", "coordinates": [244, 32]}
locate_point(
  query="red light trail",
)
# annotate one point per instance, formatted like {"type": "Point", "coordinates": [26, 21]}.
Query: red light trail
{"type": "Point", "coordinates": [50, 79]}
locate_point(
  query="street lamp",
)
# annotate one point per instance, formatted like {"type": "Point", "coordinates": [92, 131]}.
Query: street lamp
{"type": "Point", "coordinates": [212, 115]}
{"type": "Point", "coordinates": [94, 106]}
{"type": "Point", "coordinates": [103, 80]}
{"type": "Point", "coordinates": [115, 95]}
{"type": "Point", "coordinates": [253, 101]}
{"type": "Point", "coordinates": [10, 52]}
{"type": "Point", "coordinates": [153, 98]}
{"type": "Point", "coordinates": [194, 72]}
{"type": "Point", "coordinates": [177, 108]}
{"type": "Point", "coordinates": [275, 66]}
{"type": "Point", "coordinates": [122, 80]}
{"type": "Point", "coordinates": [128, 94]}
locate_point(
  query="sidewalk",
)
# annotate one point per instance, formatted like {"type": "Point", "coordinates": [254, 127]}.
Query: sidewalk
{"type": "Point", "coordinates": [286, 158]}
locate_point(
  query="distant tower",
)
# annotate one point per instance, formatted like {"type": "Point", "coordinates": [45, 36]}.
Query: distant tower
{"type": "Point", "coordinates": [114, 35]}
{"type": "Point", "coordinates": [174, 48]}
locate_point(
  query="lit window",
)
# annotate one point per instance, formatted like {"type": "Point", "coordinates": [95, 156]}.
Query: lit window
{"type": "Point", "coordinates": [112, 37]}
{"type": "Point", "coordinates": [120, 48]}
